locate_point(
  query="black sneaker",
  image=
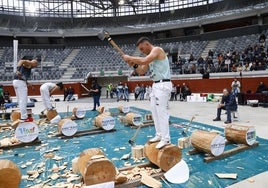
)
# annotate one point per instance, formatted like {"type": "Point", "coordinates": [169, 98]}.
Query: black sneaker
{"type": "Point", "coordinates": [217, 119]}
{"type": "Point", "coordinates": [93, 110]}
{"type": "Point", "coordinates": [227, 122]}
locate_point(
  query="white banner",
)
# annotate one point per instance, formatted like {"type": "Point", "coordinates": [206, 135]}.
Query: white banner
{"type": "Point", "coordinates": [15, 55]}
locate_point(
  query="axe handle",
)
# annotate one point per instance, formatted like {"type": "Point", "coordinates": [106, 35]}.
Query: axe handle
{"type": "Point", "coordinates": [115, 46]}
{"type": "Point", "coordinates": [85, 87]}
{"type": "Point", "coordinates": [188, 126]}
{"type": "Point", "coordinates": [132, 140]}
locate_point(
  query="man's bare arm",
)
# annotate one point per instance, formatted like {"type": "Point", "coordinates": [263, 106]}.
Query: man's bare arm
{"type": "Point", "coordinates": [28, 63]}
{"type": "Point", "coordinates": [132, 60]}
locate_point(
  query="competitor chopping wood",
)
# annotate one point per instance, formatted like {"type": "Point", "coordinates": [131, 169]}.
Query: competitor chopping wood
{"type": "Point", "coordinates": [46, 90]}
{"type": "Point", "coordinates": [20, 83]}
{"type": "Point", "coordinates": [156, 59]}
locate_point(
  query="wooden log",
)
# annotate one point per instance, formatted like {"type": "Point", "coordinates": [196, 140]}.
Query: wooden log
{"type": "Point", "coordinates": [67, 127]}
{"type": "Point", "coordinates": [165, 158]}
{"type": "Point", "coordinates": [79, 113]}
{"type": "Point", "coordinates": [100, 109]}
{"type": "Point", "coordinates": [104, 121]}
{"type": "Point", "coordinates": [10, 174]}
{"type": "Point", "coordinates": [209, 142]}
{"type": "Point", "coordinates": [95, 167]}
{"type": "Point", "coordinates": [123, 109]}
{"type": "Point", "coordinates": [133, 119]}
{"type": "Point", "coordinates": [51, 114]}
{"type": "Point", "coordinates": [240, 134]}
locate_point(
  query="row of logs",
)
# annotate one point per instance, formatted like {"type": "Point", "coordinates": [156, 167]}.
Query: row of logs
{"type": "Point", "coordinates": [213, 143]}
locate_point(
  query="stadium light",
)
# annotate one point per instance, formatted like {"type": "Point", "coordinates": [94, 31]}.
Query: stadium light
{"type": "Point", "coordinates": [121, 2]}
{"type": "Point", "coordinates": [32, 8]}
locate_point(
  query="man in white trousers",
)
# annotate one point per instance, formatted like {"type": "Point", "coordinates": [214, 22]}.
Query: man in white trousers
{"type": "Point", "coordinates": [158, 63]}
{"type": "Point", "coordinates": [46, 90]}
{"type": "Point", "coordinates": [21, 77]}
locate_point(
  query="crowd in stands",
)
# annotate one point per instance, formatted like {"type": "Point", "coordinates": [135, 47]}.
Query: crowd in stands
{"type": "Point", "coordinates": [253, 57]}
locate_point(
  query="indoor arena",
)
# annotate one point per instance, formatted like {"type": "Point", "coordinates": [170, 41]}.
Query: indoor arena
{"type": "Point", "coordinates": [133, 93]}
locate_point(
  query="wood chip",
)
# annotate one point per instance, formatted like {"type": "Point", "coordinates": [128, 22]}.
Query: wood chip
{"type": "Point", "coordinates": [54, 176]}
{"type": "Point", "coordinates": [125, 157]}
{"type": "Point", "coordinates": [24, 177]}
{"type": "Point", "coordinates": [23, 166]}
{"type": "Point", "coordinates": [70, 179]}
{"type": "Point", "coordinates": [49, 155]}
{"type": "Point", "coordinates": [251, 180]}
{"type": "Point", "coordinates": [57, 158]}
{"type": "Point", "coordinates": [35, 175]}
{"type": "Point", "coordinates": [226, 175]}
{"type": "Point", "coordinates": [29, 163]}
{"type": "Point", "coordinates": [97, 156]}
{"type": "Point", "coordinates": [31, 172]}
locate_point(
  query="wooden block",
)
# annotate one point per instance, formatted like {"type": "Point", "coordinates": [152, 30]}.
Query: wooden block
{"type": "Point", "coordinates": [150, 181]}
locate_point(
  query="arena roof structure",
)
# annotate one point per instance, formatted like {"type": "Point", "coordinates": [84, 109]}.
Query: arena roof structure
{"type": "Point", "coordinates": [94, 8]}
{"type": "Point", "coordinates": [68, 18]}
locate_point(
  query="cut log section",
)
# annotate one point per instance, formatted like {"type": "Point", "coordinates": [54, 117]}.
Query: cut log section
{"type": "Point", "coordinates": [165, 158]}
{"type": "Point", "coordinates": [51, 114]}
{"type": "Point", "coordinates": [124, 109]}
{"type": "Point", "coordinates": [208, 142]}
{"type": "Point", "coordinates": [240, 134]}
{"type": "Point", "coordinates": [67, 127]}
{"type": "Point", "coordinates": [104, 121]}
{"type": "Point", "coordinates": [100, 109]}
{"type": "Point", "coordinates": [15, 115]}
{"type": "Point", "coordinates": [79, 113]}
{"type": "Point", "coordinates": [95, 167]}
{"type": "Point", "coordinates": [133, 119]}
{"type": "Point", "coordinates": [10, 174]}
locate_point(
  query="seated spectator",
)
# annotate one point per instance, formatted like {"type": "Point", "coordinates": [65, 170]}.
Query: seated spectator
{"type": "Point", "coordinates": [261, 87]}
{"type": "Point", "coordinates": [70, 93]}
{"type": "Point", "coordinates": [185, 90]}
{"type": "Point", "coordinates": [65, 93]}
{"type": "Point", "coordinates": [7, 97]}
{"type": "Point", "coordinates": [191, 58]}
{"type": "Point", "coordinates": [228, 103]}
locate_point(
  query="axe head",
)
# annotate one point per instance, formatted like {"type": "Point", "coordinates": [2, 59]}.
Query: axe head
{"type": "Point", "coordinates": [131, 142]}
{"type": "Point", "coordinates": [103, 34]}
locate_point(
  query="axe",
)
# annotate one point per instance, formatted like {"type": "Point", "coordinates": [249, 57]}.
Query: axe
{"type": "Point", "coordinates": [105, 35]}
{"type": "Point", "coordinates": [133, 139]}
{"type": "Point", "coordinates": [184, 132]}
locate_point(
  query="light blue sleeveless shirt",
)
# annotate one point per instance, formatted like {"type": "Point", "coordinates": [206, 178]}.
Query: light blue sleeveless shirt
{"type": "Point", "coordinates": [160, 69]}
